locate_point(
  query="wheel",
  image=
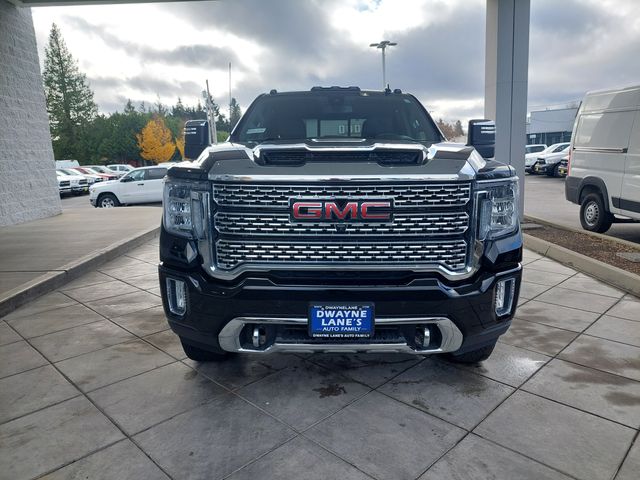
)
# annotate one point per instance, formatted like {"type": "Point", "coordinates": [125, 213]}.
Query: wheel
{"type": "Point", "coordinates": [593, 215]}
{"type": "Point", "coordinates": [200, 355]}
{"type": "Point", "coordinates": [474, 356]}
{"type": "Point", "coordinates": [554, 171]}
{"type": "Point", "coordinates": [108, 200]}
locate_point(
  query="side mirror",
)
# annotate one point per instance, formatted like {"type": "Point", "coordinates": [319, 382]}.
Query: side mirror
{"type": "Point", "coordinates": [482, 136]}
{"type": "Point", "coordinates": [196, 138]}
{"type": "Point", "coordinates": [126, 179]}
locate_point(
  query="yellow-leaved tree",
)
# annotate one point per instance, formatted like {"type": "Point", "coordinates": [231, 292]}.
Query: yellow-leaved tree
{"type": "Point", "coordinates": [180, 146]}
{"type": "Point", "coordinates": [156, 142]}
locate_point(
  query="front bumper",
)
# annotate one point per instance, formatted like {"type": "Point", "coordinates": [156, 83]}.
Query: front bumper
{"type": "Point", "coordinates": [544, 168]}
{"type": "Point", "coordinates": [221, 316]}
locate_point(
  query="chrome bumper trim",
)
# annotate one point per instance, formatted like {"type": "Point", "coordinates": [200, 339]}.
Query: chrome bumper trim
{"type": "Point", "coordinates": [229, 337]}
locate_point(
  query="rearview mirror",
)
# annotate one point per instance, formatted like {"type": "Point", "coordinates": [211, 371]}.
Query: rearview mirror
{"type": "Point", "coordinates": [482, 136]}
{"type": "Point", "coordinates": [196, 138]}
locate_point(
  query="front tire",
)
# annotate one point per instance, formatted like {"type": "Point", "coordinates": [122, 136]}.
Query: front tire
{"type": "Point", "coordinates": [200, 355]}
{"type": "Point", "coordinates": [108, 200]}
{"type": "Point", "coordinates": [474, 356]}
{"type": "Point", "coordinates": [593, 216]}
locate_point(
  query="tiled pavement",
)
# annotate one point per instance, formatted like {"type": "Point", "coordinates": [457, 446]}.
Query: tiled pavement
{"type": "Point", "coordinates": [93, 385]}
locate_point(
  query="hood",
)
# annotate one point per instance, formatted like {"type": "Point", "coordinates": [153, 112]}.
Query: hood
{"type": "Point", "coordinates": [334, 161]}
{"type": "Point", "coordinates": [72, 177]}
{"type": "Point", "coordinates": [105, 184]}
{"type": "Point", "coordinates": [552, 155]}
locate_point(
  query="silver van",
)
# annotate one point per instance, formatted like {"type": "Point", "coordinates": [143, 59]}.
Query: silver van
{"type": "Point", "coordinates": [604, 161]}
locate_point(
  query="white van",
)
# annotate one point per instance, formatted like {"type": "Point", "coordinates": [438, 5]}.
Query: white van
{"type": "Point", "coordinates": [67, 163]}
{"type": "Point", "coordinates": [604, 162]}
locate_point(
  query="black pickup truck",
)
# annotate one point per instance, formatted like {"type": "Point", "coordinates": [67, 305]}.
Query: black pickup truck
{"type": "Point", "coordinates": [341, 220]}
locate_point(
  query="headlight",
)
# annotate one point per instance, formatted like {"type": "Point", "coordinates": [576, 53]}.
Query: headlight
{"type": "Point", "coordinates": [498, 209]}
{"type": "Point", "coordinates": [186, 207]}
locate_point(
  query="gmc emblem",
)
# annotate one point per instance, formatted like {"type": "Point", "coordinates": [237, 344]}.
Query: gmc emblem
{"type": "Point", "coordinates": [340, 210]}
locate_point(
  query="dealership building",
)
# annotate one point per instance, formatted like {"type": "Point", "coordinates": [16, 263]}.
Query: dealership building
{"type": "Point", "coordinates": [550, 126]}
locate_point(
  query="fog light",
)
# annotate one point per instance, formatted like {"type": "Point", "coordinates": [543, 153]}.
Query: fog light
{"type": "Point", "coordinates": [505, 290]}
{"type": "Point", "coordinates": [177, 296]}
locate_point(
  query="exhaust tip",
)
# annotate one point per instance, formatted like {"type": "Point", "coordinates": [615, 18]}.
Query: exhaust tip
{"type": "Point", "coordinates": [259, 336]}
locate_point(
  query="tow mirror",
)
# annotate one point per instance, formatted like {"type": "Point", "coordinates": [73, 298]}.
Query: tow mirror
{"type": "Point", "coordinates": [482, 137]}
{"type": "Point", "coordinates": [196, 138]}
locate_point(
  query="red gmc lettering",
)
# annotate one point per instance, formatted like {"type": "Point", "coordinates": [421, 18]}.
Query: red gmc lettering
{"type": "Point", "coordinates": [350, 209]}
{"type": "Point", "coordinates": [312, 210]}
{"type": "Point", "coordinates": [366, 215]}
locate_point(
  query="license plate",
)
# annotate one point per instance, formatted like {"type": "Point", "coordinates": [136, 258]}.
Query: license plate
{"type": "Point", "coordinates": [341, 320]}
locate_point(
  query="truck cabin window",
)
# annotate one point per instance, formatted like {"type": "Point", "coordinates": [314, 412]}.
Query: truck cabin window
{"type": "Point", "coordinates": [339, 115]}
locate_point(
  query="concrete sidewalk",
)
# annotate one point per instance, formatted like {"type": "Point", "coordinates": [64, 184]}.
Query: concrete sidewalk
{"type": "Point", "coordinates": [94, 385]}
{"type": "Point", "coordinates": [52, 249]}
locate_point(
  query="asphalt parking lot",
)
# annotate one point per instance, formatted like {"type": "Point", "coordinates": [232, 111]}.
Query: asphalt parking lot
{"type": "Point", "coordinates": [544, 198]}
{"type": "Point", "coordinates": [93, 385]}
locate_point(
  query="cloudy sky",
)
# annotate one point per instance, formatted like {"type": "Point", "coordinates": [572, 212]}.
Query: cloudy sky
{"type": "Point", "coordinates": [167, 50]}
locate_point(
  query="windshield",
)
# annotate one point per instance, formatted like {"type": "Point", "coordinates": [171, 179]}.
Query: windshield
{"type": "Point", "coordinates": [336, 115]}
{"type": "Point", "coordinates": [534, 148]}
{"type": "Point", "coordinates": [560, 147]}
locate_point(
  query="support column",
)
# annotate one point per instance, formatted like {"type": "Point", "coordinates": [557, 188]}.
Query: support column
{"type": "Point", "coordinates": [506, 72]}
{"type": "Point", "coordinates": [28, 185]}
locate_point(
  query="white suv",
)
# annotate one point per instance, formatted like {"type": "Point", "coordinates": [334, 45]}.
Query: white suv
{"type": "Point", "coordinates": [120, 168]}
{"type": "Point", "coordinates": [141, 185]}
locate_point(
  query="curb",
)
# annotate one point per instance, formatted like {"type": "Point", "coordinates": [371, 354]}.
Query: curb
{"type": "Point", "coordinates": [585, 232]}
{"type": "Point", "coordinates": [54, 279]}
{"type": "Point", "coordinates": [614, 276]}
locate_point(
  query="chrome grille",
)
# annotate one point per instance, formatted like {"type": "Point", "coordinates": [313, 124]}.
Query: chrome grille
{"type": "Point", "coordinates": [430, 227]}
{"type": "Point", "coordinates": [277, 195]}
{"type": "Point", "coordinates": [450, 254]}
{"type": "Point", "coordinates": [453, 223]}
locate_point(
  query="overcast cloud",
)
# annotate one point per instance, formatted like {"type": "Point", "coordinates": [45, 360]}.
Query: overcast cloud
{"type": "Point", "coordinates": [150, 51]}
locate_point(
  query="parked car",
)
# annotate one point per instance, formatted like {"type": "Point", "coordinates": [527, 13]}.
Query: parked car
{"type": "Point", "coordinates": [104, 170]}
{"type": "Point", "coordinates": [141, 185]}
{"type": "Point", "coordinates": [604, 166]}
{"type": "Point", "coordinates": [120, 168]}
{"type": "Point", "coordinates": [78, 183]}
{"type": "Point", "coordinates": [563, 166]}
{"type": "Point", "coordinates": [91, 179]}
{"type": "Point", "coordinates": [64, 183]}
{"type": "Point", "coordinates": [530, 159]}
{"type": "Point", "coordinates": [95, 176]}
{"type": "Point", "coordinates": [547, 163]}
{"type": "Point", "coordinates": [67, 163]}
{"type": "Point", "coordinates": [534, 148]}
{"type": "Point", "coordinates": [90, 170]}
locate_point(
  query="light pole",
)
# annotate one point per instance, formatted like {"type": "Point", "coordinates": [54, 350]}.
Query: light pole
{"type": "Point", "coordinates": [383, 46]}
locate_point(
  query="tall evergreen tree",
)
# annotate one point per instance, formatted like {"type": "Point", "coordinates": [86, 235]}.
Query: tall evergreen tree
{"type": "Point", "coordinates": [234, 114]}
{"type": "Point", "coordinates": [69, 99]}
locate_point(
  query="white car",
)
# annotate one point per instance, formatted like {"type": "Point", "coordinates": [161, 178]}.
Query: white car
{"type": "Point", "coordinates": [78, 184]}
{"type": "Point", "coordinates": [530, 159]}
{"type": "Point", "coordinates": [548, 163]}
{"type": "Point", "coordinates": [141, 185]}
{"type": "Point", "coordinates": [91, 179]}
{"type": "Point", "coordinates": [64, 183]}
{"type": "Point", "coordinates": [534, 148]}
{"type": "Point", "coordinates": [120, 168]}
